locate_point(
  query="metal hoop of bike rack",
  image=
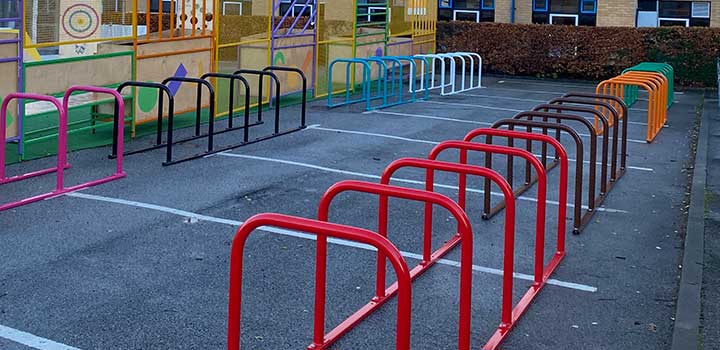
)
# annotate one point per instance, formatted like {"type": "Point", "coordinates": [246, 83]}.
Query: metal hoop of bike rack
{"type": "Point", "coordinates": [470, 58]}
{"type": "Point", "coordinates": [62, 163]}
{"type": "Point", "coordinates": [261, 75]}
{"type": "Point", "coordinates": [578, 219]}
{"type": "Point", "coordinates": [443, 81]}
{"type": "Point", "coordinates": [161, 106]}
{"type": "Point", "coordinates": [198, 113]}
{"type": "Point", "coordinates": [431, 257]}
{"type": "Point", "coordinates": [604, 120]}
{"type": "Point", "coordinates": [231, 102]}
{"type": "Point", "coordinates": [541, 274]}
{"type": "Point", "coordinates": [424, 75]}
{"type": "Point", "coordinates": [618, 110]}
{"type": "Point", "coordinates": [324, 341]}
{"type": "Point", "coordinates": [365, 85]}
{"type": "Point", "coordinates": [303, 107]}
{"type": "Point", "coordinates": [561, 108]}
{"type": "Point", "coordinates": [322, 230]}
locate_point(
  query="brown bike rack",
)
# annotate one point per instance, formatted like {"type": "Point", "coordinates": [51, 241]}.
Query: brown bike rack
{"type": "Point", "coordinates": [579, 220]}
{"type": "Point", "coordinates": [560, 108]}
{"type": "Point", "coordinates": [619, 111]}
{"type": "Point", "coordinates": [593, 200]}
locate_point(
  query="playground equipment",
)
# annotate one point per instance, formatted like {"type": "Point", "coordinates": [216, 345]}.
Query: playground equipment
{"type": "Point", "coordinates": [665, 69]}
{"type": "Point", "coordinates": [66, 41]}
{"type": "Point", "coordinates": [655, 84]}
{"type": "Point", "coordinates": [62, 164]}
{"type": "Point", "coordinates": [203, 83]}
{"type": "Point", "coordinates": [360, 29]}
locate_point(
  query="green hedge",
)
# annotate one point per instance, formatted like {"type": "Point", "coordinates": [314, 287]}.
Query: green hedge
{"type": "Point", "coordinates": [591, 53]}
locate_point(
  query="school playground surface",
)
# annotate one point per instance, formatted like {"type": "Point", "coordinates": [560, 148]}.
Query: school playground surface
{"type": "Point", "coordinates": [142, 263]}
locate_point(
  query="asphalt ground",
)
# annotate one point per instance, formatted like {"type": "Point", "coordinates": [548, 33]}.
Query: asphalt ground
{"type": "Point", "coordinates": [142, 263]}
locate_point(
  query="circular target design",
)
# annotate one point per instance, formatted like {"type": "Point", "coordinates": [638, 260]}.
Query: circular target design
{"type": "Point", "coordinates": [80, 21]}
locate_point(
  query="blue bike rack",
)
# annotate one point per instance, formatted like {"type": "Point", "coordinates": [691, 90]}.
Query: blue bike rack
{"type": "Point", "coordinates": [389, 83]}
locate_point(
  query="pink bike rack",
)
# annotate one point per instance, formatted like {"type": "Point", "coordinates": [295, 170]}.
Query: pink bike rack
{"type": "Point", "coordinates": [464, 236]}
{"type": "Point", "coordinates": [62, 164]}
{"type": "Point", "coordinates": [322, 230]}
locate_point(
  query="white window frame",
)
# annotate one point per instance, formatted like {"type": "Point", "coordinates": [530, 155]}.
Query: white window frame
{"type": "Point", "coordinates": [232, 3]}
{"type": "Point", "coordinates": [562, 15]}
{"type": "Point", "coordinates": [668, 19]}
{"type": "Point", "coordinates": [477, 14]}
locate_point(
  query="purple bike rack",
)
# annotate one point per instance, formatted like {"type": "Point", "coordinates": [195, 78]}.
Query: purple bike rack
{"type": "Point", "coordinates": [62, 163]}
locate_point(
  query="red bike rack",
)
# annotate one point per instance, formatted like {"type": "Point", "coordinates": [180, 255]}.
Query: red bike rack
{"type": "Point", "coordinates": [578, 219]}
{"type": "Point", "coordinates": [429, 258]}
{"type": "Point", "coordinates": [322, 230]}
{"type": "Point", "coordinates": [62, 163]}
{"type": "Point", "coordinates": [512, 315]}
{"type": "Point", "coordinates": [464, 237]}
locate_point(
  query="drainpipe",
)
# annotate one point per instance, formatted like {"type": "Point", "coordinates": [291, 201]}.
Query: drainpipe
{"type": "Point", "coordinates": [512, 11]}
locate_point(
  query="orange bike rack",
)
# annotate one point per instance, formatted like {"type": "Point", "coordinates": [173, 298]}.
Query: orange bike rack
{"type": "Point", "coordinates": [657, 87]}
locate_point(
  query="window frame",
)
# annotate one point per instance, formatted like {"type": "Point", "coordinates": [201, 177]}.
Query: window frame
{"type": "Point", "coordinates": [564, 15]}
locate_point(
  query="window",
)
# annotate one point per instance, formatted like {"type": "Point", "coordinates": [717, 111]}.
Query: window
{"type": "Point", "coordinates": [540, 5]}
{"type": "Point", "coordinates": [588, 6]}
{"type": "Point", "coordinates": [466, 10]}
{"type": "Point", "coordinates": [8, 9]}
{"type": "Point", "coordinates": [564, 6]}
{"type": "Point", "coordinates": [673, 13]}
{"type": "Point", "coordinates": [565, 12]}
{"type": "Point", "coordinates": [700, 10]}
{"type": "Point", "coordinates": [569, 20]}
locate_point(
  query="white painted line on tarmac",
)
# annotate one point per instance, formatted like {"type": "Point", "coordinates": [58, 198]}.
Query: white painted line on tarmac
{"type": "Point", "coordinates": [372, 134]}
{"type": "Point", "coordinates": [504, 98]}
{"type": "Point", "coordinates": [422, 116]}
{"type": "Point", "coordinates": [490, 107]}
{"type": "Point", "coordinates": [474, 106]}
{"type": "Point", "coordinates": [32, 340]}
{"type": "Point", "coordinates": [285, 232]}
{"type": "Point", "coordinates": [414, 182]}
{"type": "Point", "coordinates": [435, 143]}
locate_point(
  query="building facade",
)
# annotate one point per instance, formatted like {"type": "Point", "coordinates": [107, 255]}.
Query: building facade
{"type": "Point", "coordinates": [607, 13]}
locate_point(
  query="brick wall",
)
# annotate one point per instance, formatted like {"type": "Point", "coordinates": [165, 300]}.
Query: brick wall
{"type": "Point", "coordinates": [523, 11]}
{"type": "Point", "coordinates": [616, 13]}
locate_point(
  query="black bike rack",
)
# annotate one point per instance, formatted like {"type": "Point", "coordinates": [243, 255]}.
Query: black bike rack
{"type": "Point", "coordinates": [161, 105]}
{"type": "Point", "coordinates": [198, 113]}
{"type": "Point", "coordinates": [304, 91]}
{"type": "Point", "coordinates": [579, 220]}
{"type": "Point", "coordinates": [231, 104]}
{"type": "Point", "coordinates": [261, 75]}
